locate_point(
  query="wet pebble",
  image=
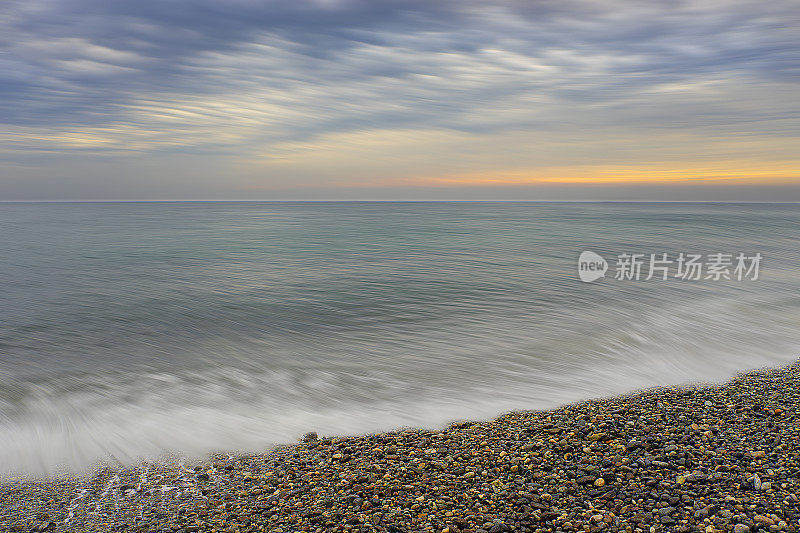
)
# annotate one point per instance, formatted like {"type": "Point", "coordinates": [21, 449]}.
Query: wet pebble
{"type": "Point", "coordinates": [716, 459]}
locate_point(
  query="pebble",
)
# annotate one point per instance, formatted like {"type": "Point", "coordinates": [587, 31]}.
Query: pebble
{"type": "Point", "coordinates": [648, 462]}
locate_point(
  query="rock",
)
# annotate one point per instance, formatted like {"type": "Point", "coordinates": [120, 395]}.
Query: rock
{"type": "Point", "coordinates": [633, 445]}
{"type": "Point", "coordinates": [741, 528]}
{"type": "Point", "coordinates": [665, 473]}
{"type": "Point", "coordinates": [765, 520]}
{"type": "Point", "coordinates": [311, 436]}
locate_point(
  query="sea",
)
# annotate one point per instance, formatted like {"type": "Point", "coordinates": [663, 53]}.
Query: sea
{"type": "Point", "coordinates": [135, 331]}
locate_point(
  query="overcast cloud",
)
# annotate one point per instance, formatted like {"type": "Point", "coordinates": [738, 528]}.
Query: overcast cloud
{"type": "Point", "coordinates": [378, 99]}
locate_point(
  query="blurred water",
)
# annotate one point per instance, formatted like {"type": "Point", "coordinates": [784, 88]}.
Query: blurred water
{"type": "Point", "coordinates": [128, 330]}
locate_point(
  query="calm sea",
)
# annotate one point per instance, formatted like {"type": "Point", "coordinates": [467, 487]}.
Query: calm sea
{"type": "Point", "coordinates": [131, 330]}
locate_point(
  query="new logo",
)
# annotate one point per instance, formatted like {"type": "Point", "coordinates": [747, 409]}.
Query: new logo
{"type": "Point", "coordinates": [591, 266]}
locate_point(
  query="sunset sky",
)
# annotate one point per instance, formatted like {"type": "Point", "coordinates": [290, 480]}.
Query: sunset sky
{"type": "Point", "coordinates": [330, 99]}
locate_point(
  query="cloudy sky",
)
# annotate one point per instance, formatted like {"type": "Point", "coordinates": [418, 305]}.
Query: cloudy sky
{"type": "Point", "coordinates": [373, 99]}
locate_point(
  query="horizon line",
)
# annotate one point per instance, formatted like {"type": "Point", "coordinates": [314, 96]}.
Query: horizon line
{"type": "Point", "coordinates": [406, 201]}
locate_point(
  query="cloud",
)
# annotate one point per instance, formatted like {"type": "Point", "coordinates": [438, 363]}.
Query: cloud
{"type": "Point", "coordinates": [262, 82]}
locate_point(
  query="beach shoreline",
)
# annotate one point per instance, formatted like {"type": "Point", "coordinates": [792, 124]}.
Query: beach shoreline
{"type": "Point", "coordinates": [714, 458]}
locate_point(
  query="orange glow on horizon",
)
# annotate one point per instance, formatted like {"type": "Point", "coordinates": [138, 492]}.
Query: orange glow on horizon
{"type": "Point", "coordinates": [744, 173]}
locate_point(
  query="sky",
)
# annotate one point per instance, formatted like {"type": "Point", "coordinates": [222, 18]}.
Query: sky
{"type": "Point", "coordinates": [397, 100]}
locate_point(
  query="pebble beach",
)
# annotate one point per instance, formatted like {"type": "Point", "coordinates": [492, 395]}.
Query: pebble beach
{"type": "Point", "coordinates": [710, 458]}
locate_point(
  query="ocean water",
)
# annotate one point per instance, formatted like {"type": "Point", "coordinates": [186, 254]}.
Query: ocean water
{"type": "Point", "coordinates": [133, 330]}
